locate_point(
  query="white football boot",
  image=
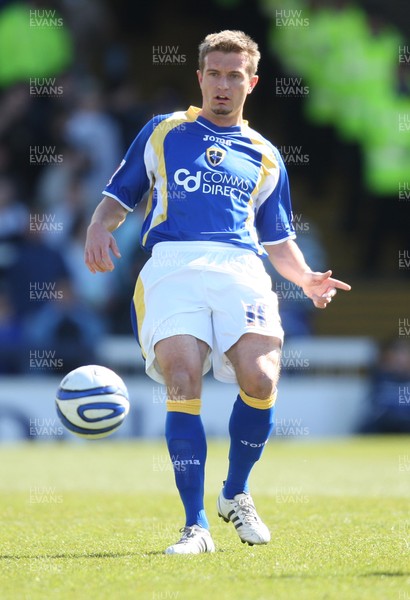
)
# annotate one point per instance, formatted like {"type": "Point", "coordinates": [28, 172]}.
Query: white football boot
{"type": "Point", "coordinates": [242, 513]}
{"type": "Point", "coordinates": [194, 540]}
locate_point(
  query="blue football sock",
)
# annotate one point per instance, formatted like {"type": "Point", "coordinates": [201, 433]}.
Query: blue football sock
{"type": "Point", "coordinates": [249, 429]}
{"type": "Point", "coordinates": [186, 442]}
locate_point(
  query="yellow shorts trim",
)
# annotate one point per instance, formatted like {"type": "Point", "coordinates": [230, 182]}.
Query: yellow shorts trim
{"type": "Point", "coordinates": [190, 407]}
{"type": "Point", "coordinates": [257, 402]}
{"type": "Point", "coordinates": [139, 305]}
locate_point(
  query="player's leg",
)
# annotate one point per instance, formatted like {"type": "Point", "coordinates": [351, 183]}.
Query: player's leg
{"type": "Point", "coordinates": [181, 359]}
{"type": "Point", "coordinates": [255, 359]}
{"type": "Point", "coordinates": [173, 325]}
{"type": "Point", "coordinates": [248, 336]}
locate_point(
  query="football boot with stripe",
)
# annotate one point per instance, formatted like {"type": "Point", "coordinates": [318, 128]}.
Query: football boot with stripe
{"type": "Point", "coordinates": [194, 540]}
{"type": "Point", "coordinates": [241, 512]}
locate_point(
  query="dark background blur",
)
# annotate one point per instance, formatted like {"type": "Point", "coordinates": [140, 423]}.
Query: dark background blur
{"type": "Point", "coordinates": [78, 79]}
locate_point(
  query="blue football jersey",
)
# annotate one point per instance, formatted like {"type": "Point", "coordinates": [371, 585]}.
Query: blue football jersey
{"type": "Point", "coordinates": [205, 183]}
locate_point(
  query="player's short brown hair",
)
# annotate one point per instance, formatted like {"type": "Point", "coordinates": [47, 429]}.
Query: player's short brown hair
{"type": "Point", "coordinates": [231, 41]}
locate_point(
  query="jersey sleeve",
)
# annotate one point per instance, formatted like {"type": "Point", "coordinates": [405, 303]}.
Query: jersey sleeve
{"type": "Point", "coordinates": [130, 182]}
{"type": "Point", "coordinates": [274, 216]}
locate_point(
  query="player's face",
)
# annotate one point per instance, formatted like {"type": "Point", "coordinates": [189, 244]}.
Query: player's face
{"type": "Point", "coordinates": [225, 84]}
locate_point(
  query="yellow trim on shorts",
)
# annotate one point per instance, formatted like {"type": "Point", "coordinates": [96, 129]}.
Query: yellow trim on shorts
{"type": "Point", "coordinates": [139, 304]}
{"type": "Point", "coordinates": [190, 407]}
{"type": "Point", "coordinates": [257, 402]}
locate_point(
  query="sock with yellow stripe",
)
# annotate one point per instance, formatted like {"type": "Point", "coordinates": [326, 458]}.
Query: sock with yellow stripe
{"type": "Point", "coordinates": [186, 442]}
{"type": "Point", "coordinates": [250, 426]}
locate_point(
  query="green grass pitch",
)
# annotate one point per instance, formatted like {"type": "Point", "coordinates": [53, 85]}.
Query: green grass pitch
{"type": "Point", "coordinates": [91, 521]}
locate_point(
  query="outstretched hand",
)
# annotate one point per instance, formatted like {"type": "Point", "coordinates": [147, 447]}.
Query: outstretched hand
{"type": "Point", "coordinates": [321, 287]}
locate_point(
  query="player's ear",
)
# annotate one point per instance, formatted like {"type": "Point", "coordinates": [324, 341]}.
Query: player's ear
{"type": "Point", "coordinates": [252, 82]}
{"type": "Point", "coordinates": [199, 75]}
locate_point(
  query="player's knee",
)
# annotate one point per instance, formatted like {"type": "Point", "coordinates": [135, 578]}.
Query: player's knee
{"type": "Point", "coordinates": [261, 386]}
{"type": "Point", "coordinates": [183, 383]}
{"type": "Point", "coordinates": [261, 379]}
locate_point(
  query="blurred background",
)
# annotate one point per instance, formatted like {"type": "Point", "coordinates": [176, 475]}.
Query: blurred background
{"type": "Point", "coordinates": [78, 79]}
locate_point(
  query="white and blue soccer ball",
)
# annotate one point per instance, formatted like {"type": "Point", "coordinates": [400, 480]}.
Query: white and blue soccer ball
{"type": "Point", "coordinates": [92, 401]}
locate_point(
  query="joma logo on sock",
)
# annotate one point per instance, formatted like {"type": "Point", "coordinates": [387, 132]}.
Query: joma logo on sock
{"type": "Point", "coordinates": [182, 463]}
{"type": "Point", "coordinates": [252, 445]}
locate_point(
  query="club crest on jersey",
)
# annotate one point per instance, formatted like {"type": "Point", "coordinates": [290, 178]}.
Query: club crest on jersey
{"type": "Point", "coordinates": [215, 156]}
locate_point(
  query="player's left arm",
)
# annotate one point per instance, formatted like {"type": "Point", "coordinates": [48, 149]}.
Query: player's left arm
{"type": "Point", "coordinates": [288, 260]}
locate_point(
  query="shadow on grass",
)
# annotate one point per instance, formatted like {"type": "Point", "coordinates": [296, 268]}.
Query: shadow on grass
{"type": "Point", "coordinates": [71, 555]}
{"type": "Point", "coordinates": [74, 555]}
{"type": "Point", "coordinates": [341, 575]}
{"type": "Point", "coordinates": [161, 553]}
{"type": "Point", "coordinates": [386, 574]}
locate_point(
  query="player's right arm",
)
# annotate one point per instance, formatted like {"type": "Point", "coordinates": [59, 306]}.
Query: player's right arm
{"type": "Point", "coordinates": [108, 215]}
{"type": "Point", "coordinates": [128, 186]}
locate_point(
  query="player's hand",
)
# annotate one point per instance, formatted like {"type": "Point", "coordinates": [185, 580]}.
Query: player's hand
{"type": "Point", "coordinates": [321, 287]}
{"type": "Point", "coordinates": [98, 245]}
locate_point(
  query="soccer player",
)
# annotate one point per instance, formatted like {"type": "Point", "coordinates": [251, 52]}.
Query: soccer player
{"type": "Point", "coordinates": [217, 200]}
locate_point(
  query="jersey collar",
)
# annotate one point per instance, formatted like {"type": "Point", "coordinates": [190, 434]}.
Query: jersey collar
{"type": "Point", "coordinates": [193, 114]}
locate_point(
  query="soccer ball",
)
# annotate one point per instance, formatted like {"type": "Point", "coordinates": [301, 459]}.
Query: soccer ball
{"type": "Point", "coordinates": [92, 401]}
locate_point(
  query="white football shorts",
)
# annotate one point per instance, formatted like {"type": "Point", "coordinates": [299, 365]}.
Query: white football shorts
{"type": "Point", "coordinates": [215, 292]}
